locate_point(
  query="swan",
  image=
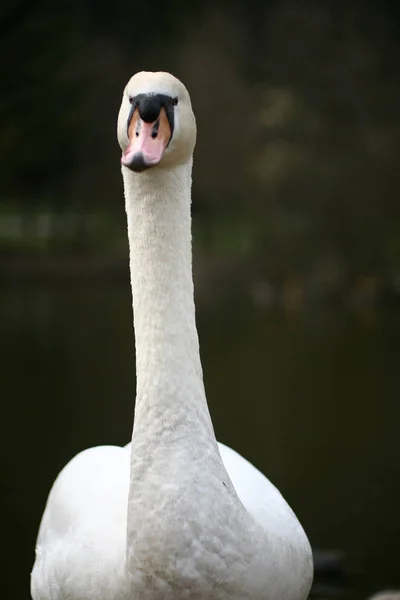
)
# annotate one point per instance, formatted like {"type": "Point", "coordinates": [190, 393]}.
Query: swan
{"type": "Point", "coordinates": [173, 515]}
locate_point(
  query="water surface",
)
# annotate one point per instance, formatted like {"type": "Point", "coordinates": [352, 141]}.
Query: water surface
{"type": "Point", "coordinates": [311, 399]}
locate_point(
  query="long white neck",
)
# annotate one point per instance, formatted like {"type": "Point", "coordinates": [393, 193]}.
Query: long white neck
{"type": "Point", "coordinates": [176, 469]}
{"type": "Point", "coordinates": [170, 397]}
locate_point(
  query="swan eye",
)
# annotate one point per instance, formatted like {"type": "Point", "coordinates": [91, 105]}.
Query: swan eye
{"type": "Point", "coordinates": [130, 98]}
{"type": "Point", "coordinates": [175, 101]}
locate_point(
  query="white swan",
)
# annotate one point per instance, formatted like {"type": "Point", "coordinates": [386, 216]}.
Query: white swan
{"type": "Point", "coordinates": [175, 516]}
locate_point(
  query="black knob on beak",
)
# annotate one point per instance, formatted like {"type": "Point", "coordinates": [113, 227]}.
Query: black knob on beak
{"type": "Point", "coordinates": [149, 107]}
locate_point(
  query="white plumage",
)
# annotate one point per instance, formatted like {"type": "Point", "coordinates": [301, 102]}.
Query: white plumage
{"type": "Point", "coordinates": [173, 515]}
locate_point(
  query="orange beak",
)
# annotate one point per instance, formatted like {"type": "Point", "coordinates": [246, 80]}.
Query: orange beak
{"type": "Point", "coordinates": [147, 141]}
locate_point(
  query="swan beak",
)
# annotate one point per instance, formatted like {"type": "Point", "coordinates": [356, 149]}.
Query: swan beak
{"type": "Point", "coordinates": [147, 141]}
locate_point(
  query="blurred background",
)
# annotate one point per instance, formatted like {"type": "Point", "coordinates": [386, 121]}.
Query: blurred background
{"type": "Point", "coordinates": [296, 252]}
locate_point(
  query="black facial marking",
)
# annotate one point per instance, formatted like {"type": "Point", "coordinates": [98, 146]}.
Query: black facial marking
{"type": "Point", "coordinates": [150, 105]}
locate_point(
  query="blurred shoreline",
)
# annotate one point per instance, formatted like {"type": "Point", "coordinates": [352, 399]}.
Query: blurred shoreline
{"type": "Point", "coordinates": [216, 278]}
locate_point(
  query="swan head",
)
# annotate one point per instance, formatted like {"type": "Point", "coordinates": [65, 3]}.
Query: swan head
{"type": "Point", "coordinates": [156, 124]}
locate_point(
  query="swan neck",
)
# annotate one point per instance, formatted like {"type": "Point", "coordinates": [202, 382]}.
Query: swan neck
{"type": "Point", "coordinates": [168, 367]}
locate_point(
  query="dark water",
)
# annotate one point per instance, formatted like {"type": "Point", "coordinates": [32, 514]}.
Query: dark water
{"type": "Point", "coordinates": [312, 400]}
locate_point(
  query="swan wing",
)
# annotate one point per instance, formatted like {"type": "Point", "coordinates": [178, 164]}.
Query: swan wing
{"type": "Point", "coordinates": [81, 540]}
{"type": "Point", "coordinates": [262, 499]}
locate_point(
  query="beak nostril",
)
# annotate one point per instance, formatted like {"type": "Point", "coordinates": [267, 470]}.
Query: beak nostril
{"type": "Point", "coordinates": [156, 127]}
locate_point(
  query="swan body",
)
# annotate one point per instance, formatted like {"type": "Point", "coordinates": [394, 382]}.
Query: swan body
{"type": "Point", "coordinates": [174, 515]}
